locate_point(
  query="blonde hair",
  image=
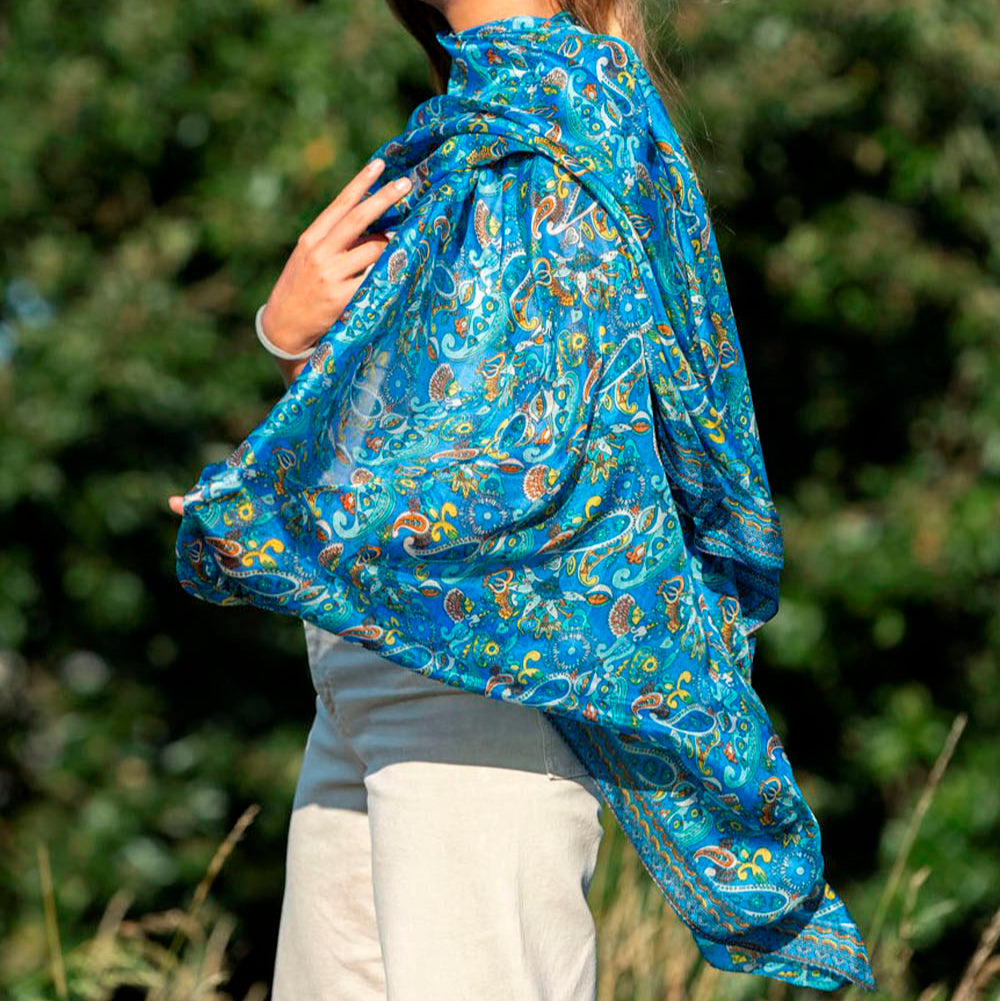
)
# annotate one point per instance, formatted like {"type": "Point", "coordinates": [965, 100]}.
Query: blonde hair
{"type": "Point", "coordinates": [624, 19]}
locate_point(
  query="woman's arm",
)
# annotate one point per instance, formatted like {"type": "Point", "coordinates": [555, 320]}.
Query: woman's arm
{"type": "Point", "coordinates": [330, 261]}
{"type": "Point", "coordinates": [290, 369]}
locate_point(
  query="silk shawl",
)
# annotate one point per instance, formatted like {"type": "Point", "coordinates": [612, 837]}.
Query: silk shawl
{"type": "Point", "coordinates": [525, 462]}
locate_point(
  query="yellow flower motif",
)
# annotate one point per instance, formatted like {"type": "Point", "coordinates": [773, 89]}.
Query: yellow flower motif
{"type": "Point", "coordinates": [752, 865]}
{"type": "Point", "coordinates": [680, 693]}
{"type": "Point", "coordinates": [442, 525]}
{"type": "Point", "coordinates": [261, 553]}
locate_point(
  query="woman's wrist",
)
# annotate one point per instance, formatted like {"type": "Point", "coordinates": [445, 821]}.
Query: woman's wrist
{"type": "Point", "coordinates": [278, 350]}
{"type": "Point", "coordinates": [290, 369]}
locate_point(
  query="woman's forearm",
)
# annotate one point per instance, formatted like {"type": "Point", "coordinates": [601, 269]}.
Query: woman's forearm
{"type": "Point", "coordinates": [290, 369]}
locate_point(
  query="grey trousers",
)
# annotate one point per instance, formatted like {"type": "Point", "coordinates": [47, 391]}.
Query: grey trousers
{"type": "Point", "coordinates": [441, 845]}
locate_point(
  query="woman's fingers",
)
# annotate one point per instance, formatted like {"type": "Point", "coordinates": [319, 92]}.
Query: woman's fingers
{"type": "Point", "coordinates": [349, 227]}
{"type": "Point", "coordinates": [177, 504]}
{"type": "Point", "coordinates": [349, 196]}
{"type": "Point", "coordinates": [353, 284]}
{"type": "Point", "coordinates": [362, 256]}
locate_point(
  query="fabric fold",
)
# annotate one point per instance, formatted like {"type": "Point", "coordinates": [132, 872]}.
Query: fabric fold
{"type": "Point", "coordinates": [525, 462]}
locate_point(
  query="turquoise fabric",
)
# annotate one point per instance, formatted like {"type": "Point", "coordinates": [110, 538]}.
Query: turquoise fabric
{"type": "Point", "coordinates": [524, 462]}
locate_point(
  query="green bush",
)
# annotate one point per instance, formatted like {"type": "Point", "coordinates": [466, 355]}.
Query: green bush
{"type": "Point", "coordinates": [158, 162]}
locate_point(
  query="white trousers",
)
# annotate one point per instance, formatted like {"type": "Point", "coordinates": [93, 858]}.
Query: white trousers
{"type": "Point", "coordinates": [441, 845]}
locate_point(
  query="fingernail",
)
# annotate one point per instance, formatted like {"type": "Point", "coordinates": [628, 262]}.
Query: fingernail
{"type": "Point", "coordinates": [377, 164]}
{"type": "Point", "coordinates": [403, 183]}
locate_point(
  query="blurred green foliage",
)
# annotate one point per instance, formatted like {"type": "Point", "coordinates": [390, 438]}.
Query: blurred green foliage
{"type": "Point", "coordinates": [159, 161]}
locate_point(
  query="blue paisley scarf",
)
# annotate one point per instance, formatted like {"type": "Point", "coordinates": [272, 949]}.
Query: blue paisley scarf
{"type": "Point", "coordinates": [524, 462]}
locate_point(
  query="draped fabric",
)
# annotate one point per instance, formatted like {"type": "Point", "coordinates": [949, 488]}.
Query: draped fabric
{"type": "Point", "coordinates": [524, 461]}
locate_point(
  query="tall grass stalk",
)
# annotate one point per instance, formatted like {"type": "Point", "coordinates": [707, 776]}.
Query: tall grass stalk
{"type": "Point", "coordinates": [892, 883]}
{"type": "Point", "coordinates": [218, 859]}
{"type": "Point", "coordinates": [912, 829]}
{"type": "Point", "coordinates": [51, 921]}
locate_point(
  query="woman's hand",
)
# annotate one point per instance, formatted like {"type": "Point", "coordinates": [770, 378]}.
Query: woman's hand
{"type": "Point", "coordinates": [329, 263]}
{"type": "Point", "coordinates": [326, 268]}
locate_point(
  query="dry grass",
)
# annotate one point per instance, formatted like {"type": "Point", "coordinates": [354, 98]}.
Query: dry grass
{"type": "Point", "coordinates": [646, 953]}
{"type": "Point", "coordinates": [132, 952]}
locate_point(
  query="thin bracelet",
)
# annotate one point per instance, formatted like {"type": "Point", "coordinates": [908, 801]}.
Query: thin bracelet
{"type": "Point", "coordinates": [273, 348]}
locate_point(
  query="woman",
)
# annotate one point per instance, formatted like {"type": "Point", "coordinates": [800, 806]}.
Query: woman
{"type": "Point", "coordinates": [522, 463]}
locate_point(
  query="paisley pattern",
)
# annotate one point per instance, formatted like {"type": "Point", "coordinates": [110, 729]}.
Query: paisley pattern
{"type": "Point", "coordinates": [524, 461]}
